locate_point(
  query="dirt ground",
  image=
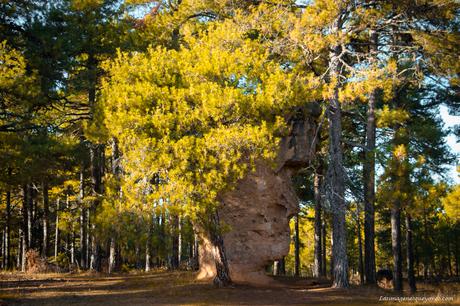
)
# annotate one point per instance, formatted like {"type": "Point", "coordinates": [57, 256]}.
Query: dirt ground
{"type": "Point", "coordinates": [180, 288]}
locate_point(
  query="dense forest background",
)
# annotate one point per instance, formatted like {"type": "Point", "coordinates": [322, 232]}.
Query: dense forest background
{"type": "Point", "coordinates": [122, 121]}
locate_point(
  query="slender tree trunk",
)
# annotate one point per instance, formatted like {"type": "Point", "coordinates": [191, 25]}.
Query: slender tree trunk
{"type": "Point", "coordinates": [196, 245]}
{"type": "Point", "coordinates": [95, 156]}
{"type": "Point", "coordinates": [449, 258]}
{"type": "Point", "coordinates": [116, 173]}
{"type": "Point", "coordinates": [72, 245]}
{"type": "Point", "coordinates": [175, 241]}
{"type": "Point", "coordinates": [427, 252]}
{"type": "Point", "coordinates": [297, 247]}
{"type": "Point", "coordinates": [369, 180]}
{"type": "Point", "coordinates": [148, 244]}
{"type": "Point", "coordinates": [88, 237]}
{"type": "Point", "coordinates": [323, 236]}
{"type": "Point", "coordinates": [67, 238]}
{"type": "Point", "coordinates": [317, 268]}
{"type": "Point", "coordinates": [179, 240]}
{"type": "Point", "coordinates": [337, 194]}
{"type": "Point", "coordinates": [2, 252]}
{"type": "Point", "coordinates": [137, 254]}
{"type": "Point", "coordinates": [112, 251]}
{"type": "Point", "coordinates": [360, 246]}
{"type": "Point", "coordinates": [8, 260]}
{"type": "Point", "coordinates": [19, 264]}
{"type": "Point", "coordinates": [456, 255]}
{"type": "Point", "coordinates": [410, 254]}
{"type": "Point", "coordinates": [282, 262]}
{"type": "Point", "coordinates": [83, 228]}
{"type": "Point", "coordinates": [396, 245]}
{"type": "Point", "coordinates": [25, 226]}
{"type": "Point", "coordinates": [45, 219]}
{"type": "Point", "coordinates": [56, 235]}
{"type": "Point", "coordinates": [30, 216]}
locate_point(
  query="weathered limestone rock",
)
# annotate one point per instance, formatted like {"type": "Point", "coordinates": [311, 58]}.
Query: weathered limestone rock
{"type": "Point", "coordinates": [258, 210]}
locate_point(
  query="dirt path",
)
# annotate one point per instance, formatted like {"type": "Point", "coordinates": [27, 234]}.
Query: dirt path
{"type": "Point", "coordinates": [180, 288]}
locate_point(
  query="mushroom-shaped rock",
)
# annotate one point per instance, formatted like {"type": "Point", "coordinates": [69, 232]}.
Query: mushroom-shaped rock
{"type": "Point", "coordinates": [256, 212]}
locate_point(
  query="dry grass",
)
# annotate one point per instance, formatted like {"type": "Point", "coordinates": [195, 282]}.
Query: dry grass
{"type": "Point", "coordinates": [180, 288]}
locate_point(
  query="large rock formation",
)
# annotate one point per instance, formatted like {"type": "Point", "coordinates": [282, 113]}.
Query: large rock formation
{"type": "Point", "coordinates": [256, 213]}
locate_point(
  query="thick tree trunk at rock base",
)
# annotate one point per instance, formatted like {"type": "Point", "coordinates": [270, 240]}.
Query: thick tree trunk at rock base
{"type": "Point", "coordinates": [410, 254]}
{"type": "Point", "coordinates": [369, 182]}
{"type": "Point", "coordinates": [222, 278]}
{"type": "Point", "coordinates": [337, 192]}
{"type": "Point", "coordinates": [396, 245]}
{"type": "Point", "coordinates": [318, 260]}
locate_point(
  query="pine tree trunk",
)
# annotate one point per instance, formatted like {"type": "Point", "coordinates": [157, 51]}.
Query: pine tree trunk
{"type": "Point", "coordinates": [426, 256]}
{"type": "Point", "coordinates": [196, 245]}
{"type": "Point", "coordinates": [175, 241]}
{"type": "Point", "coordinates": [137, 254]}
{"type": "Point", "coordinates": [337, 194]}
{"type": "Point", "coordinates": [297, 247]}
{"type": "Point", "coordinates": [8, 260]}
{"type": "Point", "coordinates": [30, 217]}
{"type": "Point", "coordinates": [2, 251]}
{"type": "Point", "coordinates": [396, 245]}
{"type": "Point", "coordinates": [456, 255]}
{"type": "Point", "coordinates": [112, 256]}
{"type": "Point", "coordinates": [83, 228]}
{"type": "Point", "coordinates": [317, 267]}
{"type": "Point", "coordinates": [369, 181]}
{"type": "Point", "coordinates": [222, 278]}
{"type": "Point", "coordinates": [148, 246]}
{"type": "Point", "coordinates": [19, 264]}
{"type": "Point", "coordinates": [324, 258]}
{"type": "Point", "coordinates": [56, 235]}
{"type": "Point", "coordinates": [360, 247]}
{"type": "Point", "coordinates": [94, 256]}
{"type": "Point", "coordinates": [116, 173]}
{"type": "Point", "coordinates": [410, 254]}
{"type": "Point", "coordinates": [282, 262]}
{"type": "Point", "coordinates": [179, 238]}
{"type": "Point", "coordinates": [45, 219]}
{"type": "Point", "coordinates": [96, 176]}
{"type": "Point", "coordinates": [88, 237]}
{"type": "Point", "coordinates": [449, 258]}
{"type": "Point", "coordinates": [72, 245]}
{"type": "Point", "coordinates": [25, 226]}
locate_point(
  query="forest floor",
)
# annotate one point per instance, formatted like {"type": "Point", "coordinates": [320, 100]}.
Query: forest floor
{"type": "Point", "coordinates": [180, 288]}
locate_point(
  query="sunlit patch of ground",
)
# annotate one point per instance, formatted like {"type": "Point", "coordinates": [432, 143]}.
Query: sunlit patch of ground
{"type": "Point", "coordinates": [181, 288]}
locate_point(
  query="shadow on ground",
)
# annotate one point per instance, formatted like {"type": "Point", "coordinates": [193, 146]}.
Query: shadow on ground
{"type": "Point", "coordinates": [172, 288]}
